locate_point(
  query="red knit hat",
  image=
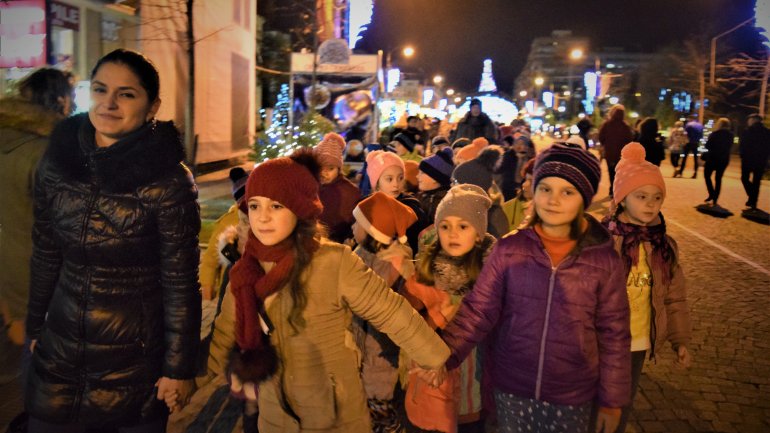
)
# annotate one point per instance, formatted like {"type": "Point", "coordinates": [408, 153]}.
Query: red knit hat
{"type": "Point", "coordinates": [329, 150]}
{"type": "Point", "coordinates": [291, 181]}
{"type": "Point", "coordinates": [384, 217]}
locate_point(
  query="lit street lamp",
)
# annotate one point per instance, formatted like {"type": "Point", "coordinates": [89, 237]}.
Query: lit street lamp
{"type": "Point", "coordinates": [575, 55]}
{"type": "Point", "coordinates": [450, 92]}
{"type": "Point", "coordinates": [438, 79]}
{"type": "Point", "coordinates": [539, 81]}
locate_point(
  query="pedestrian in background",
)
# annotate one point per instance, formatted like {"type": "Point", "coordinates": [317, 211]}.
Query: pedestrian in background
{"type": "Point", "coordinates": [755, 150]}
{"type": "Point", "coordinates": [694, 130]}
{"type": "Point", "coordinates": [677, 140]}
{"type": "Point", "coordinates": [114, 305]}
{"type": "Point", "coordinates": [434, 179]}
{"type": "Point", "coordinates": [448, 266]}
{"type": "Point", "coordinates": [476, 124]}
{"type": "Point", "coordinates": [613, 135]}
{"type": "Point", "coordinates": [717, 157]}
{"type": "Point", "coordinates": [650, 139]}
{"type": "Point", "coordinates": [42, 99]}
{"type": "Point", "coordinates": [655, 282]}
{"type": "Point", "coordinates": [338, 195]}
{"type": "Point", "coordinates": [561, 273]}
{"type": "Point", "coordinates": [294, 294]}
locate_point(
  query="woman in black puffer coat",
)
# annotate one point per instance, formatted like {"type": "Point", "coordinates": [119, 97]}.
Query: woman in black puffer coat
{"type": "Point", "coordinates": [114, 307]}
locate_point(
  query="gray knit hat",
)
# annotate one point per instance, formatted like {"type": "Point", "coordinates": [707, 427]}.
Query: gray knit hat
{"type": "Point", "coordinates": [468, 202]}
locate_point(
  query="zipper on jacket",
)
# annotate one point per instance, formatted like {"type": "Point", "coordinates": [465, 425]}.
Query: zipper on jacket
{"type": "Point", "coordinates": [82, 377]}
{"type": "Point", "coordinates": [541, 358]}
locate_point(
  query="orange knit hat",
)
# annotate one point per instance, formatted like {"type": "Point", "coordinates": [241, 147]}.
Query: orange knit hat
{"type": "Point", "coordinates": [411, 168]}
{"type": "Point", "coordinates": [472, 150]}
{"type": "Point", "coordinates": [633, 172]}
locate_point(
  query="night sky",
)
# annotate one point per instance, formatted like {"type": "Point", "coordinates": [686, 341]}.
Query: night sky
{"type": "Point", "coordinates": [452, 37]}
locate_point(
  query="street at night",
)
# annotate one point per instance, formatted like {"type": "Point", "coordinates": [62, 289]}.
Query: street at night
{"type": "Point", "coordinates": [385, 216]}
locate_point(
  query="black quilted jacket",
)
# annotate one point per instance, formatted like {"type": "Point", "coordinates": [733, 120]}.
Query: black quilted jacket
{"type": "Point", "coordinates": [114, 297]}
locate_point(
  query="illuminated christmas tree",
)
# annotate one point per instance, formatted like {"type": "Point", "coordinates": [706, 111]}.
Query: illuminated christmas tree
{"type": "Point", "coordinates": [279, 139]}
{"type": "Point", "coordinates": [487, 80]}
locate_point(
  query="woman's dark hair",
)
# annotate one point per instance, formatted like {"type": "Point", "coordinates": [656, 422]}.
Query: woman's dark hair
{"type": "Point", "coordinates": [472, 262]}
{"type": "Point", "coordinates": [45, 87]}
{"type": "Point", "coordinates": [304, 234]}
{"type": "Point", "coordinates": [648, 129]}
{"type": "Point", "coordinates": [140, 65]}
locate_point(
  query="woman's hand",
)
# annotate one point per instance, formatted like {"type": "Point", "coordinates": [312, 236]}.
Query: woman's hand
{"type": "Point", "coordinates": [683, 359]}
{"type": "Point", "coordinates": [176, 393]}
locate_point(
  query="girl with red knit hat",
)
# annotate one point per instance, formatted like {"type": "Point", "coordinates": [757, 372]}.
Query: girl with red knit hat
{"type": "Point", "coordinates": [380, 231]}
{"type": "Point", "coordinates": [292, 298]}
{"type": "Point", "coordinates": [386, 172]}
{"type": "Point", "coordinates": [656, 284]}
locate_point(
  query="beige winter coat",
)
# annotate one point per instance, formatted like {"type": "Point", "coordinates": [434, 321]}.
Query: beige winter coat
{"type": "Point", "coordinates": [319, 377]}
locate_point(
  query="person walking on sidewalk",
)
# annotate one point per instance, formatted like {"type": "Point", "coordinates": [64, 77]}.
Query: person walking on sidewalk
{"type": "Point", "coordinates": [655, 283]}
{"type": "Point", "coordinates": [27, 118]}
{"type": "Point", "coordinates": [717, 157]}
{"type": "Point", "coordinates": [556, 291]}
{"type": "Point", "coordinates": [114, 304]}
{"type": "Point", "coordinates": [755, 150]}
{"type": "Point", "coordinates": [613, 135]}
{"type": "Point", "coordinates": [294, 294]}
{"type": "Point", "coordinates": [694, 130]}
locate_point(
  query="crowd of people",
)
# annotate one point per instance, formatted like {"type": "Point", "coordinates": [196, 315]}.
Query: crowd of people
{"type": "Point", "coordinates": [455, 284]}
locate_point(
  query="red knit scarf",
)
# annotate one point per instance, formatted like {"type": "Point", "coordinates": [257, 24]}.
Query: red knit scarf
{"type": "Point", "coordinates": [251, 286]}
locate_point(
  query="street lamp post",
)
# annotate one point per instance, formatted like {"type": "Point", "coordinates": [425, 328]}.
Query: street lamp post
{"type": "Point", "coordinates": [407, 51]}
{"type": "Point", "coordinates": [712, 76]}
{"type": "Point", "coordinates": [576, 54]}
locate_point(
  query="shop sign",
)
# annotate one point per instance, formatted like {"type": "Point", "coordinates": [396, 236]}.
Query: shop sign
{"type": "Point", "coordinates": [64, 15]}
{"type": "Point", "coordinates": [22, 34]}
{"type": "Point", "coordinates": [361, 64]}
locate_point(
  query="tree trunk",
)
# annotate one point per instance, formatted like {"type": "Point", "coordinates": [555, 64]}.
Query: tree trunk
{"type": "Point", "coordinates": [189, 115]}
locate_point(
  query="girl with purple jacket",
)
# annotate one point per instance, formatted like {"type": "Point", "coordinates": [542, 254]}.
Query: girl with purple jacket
{"type": "Point", "coordinates": [552, 299]}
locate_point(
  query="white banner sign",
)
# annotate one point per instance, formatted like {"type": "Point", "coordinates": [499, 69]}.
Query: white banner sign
{"type": "Point", "coordinates": [361, 64]}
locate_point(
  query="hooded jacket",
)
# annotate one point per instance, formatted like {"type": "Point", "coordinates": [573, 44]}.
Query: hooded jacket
{"type": "Point", "coordinates": [755, 146]}
{"type": "Point", "coordinates": [24, 128]}
{"type": "Point", "coordinates": [614, 134]}
{"type": "Point", "coordinates": [114, 300]}
{"type": "Point", "coordinates": [564, 333]}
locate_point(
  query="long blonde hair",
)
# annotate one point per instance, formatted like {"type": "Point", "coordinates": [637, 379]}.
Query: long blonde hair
{"type": "Point", "coordinates": [722, 123]}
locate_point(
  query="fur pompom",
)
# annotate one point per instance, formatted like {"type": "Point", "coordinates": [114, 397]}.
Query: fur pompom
{"type": "Point", "coordinates": [307, 158]}
{"type": "Point", "coordinates": [489, 157]}
{"type": "Point", "coordinates": [254, 365]}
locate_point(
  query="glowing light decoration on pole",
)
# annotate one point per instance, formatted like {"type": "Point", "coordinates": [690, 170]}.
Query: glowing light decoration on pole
{"type": "Point", "coordinates": [394, 76]}
{"type": "Point", "coordinates": [359, 17]}
{"type": "Point", "coordinates": [548, 99]}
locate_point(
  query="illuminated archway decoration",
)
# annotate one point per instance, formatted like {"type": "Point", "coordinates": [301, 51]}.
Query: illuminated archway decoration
{"type": "Point", "coordinates": [498, 109]}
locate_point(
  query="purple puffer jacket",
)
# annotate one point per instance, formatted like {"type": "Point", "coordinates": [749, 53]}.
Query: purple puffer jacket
{"type": "Point", "coordinates": [560, 335]}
